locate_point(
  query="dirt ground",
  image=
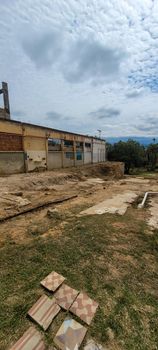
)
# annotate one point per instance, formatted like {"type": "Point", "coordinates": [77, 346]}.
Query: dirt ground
{"type": "Point", "coordinates": [121, 249]}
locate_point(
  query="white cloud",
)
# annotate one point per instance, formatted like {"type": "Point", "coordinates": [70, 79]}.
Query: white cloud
{"type": "Point", "coordinates": [76, 57]}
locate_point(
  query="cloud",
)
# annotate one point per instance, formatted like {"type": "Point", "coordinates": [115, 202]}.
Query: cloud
{"type": "Point", "coordinates": [71, 56]}
{"type": "Point", "coordinates": [18, 113]}
{"type": "Point", "coordinates": [52, 115]}
{"type": "Point", "coordinates": [42, 47]}
{"type": "Point", "coordinates": [80, 60]}
{"type": "Point", "coordinates": [88, 59]}
{"type": "Point", "coordinates": [103, 112]}
{"type": "Point", "coordinates": [134, 94]}
{"type": "Point", "coordinates": [149, 125]}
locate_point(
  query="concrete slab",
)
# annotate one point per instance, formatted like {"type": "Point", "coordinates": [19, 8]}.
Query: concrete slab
{"type": "Point", "coordinates": [84, 307]}
{"type": "Point", "coordinates": [44, 311]}
{"type": "Point", "coordinates": [31, 340]}
{"type": "Point", "coordinates": [153, 220]}
{"type": "Point", "coordinates": [65, 296]}
{"type": "Point", "coordinates": [70, 335]}
{"type": "Point", "coordinates": [137, 180]}
{"type": "Point", "coordinates": [52, 281]}
{"type": "Point", "coordinates": [115, 205]}
{"type": "Point", "coordinates": [95, 180]}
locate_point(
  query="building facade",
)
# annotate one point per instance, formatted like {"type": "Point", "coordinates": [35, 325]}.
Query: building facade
{"type": "Point", "coordinates": [27, 147]}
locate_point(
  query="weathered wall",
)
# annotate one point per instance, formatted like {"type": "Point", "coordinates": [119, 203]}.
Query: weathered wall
{"type": "Point", "coordinates": [68, 161]}
{"type": "Point", "coordinates": [35, 150]}
{"type": "Point", "coordinates": [54, 160]}
{"type": "Point", "coordinates": [33, 141]}
{"type": "Point", "coordinates": [98, 151]}
{"type": "Point", "coordinates": [79, 158]}
{"type": "Point", "coordinates": [87, 157]}
{"type": "Point", "coordinates": [10, 142]}
{"type": "Point", "coordinates": [4, 114]}
{"type": "Point", "coordinates": [11, 162]}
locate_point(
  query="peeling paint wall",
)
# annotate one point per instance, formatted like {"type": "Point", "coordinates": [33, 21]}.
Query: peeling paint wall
{"type": "Point", "coordinates": [11, 163]}
{"type": "Point", "coordinates": [35, 153]}
{"type": "Point", "coordinates": [54, 160]}
{"type": "Point", "coordinates": [68, 150]}
{"type": "Point", "coordinates": [99, 151]}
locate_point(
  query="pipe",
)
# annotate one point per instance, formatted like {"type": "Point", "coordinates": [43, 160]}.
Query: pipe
{"type": "Point", "coordinates": [141, 205]}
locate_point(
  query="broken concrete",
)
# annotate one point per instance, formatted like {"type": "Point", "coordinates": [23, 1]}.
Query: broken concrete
{"type": "Point", "coordinates": [153, 220]}
{"type": "Point", "coordinates": [115, 205]}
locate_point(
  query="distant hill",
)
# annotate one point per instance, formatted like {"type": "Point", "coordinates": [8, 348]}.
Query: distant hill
{"type": "Point", "coordinates": [142, 140]}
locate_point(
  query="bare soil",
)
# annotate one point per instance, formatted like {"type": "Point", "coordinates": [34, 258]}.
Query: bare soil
{"type": "Point", "coordinates": [111, 257]}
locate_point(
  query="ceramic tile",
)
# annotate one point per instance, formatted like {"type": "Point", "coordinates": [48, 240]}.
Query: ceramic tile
{"type": "Point", "coordinates": [52, 281]}
{"type": "Point", "coordinates": [44, 311]}
{"type": "Point", "coordinates": [31, 340]}
{"type": "Point", "coordinates": [84, 307]}
{"type": "Point", "coordinates": [65, 296]}
{"type": "Point", "coordinates": [70, 335]}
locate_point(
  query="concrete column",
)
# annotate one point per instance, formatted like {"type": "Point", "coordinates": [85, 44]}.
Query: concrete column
{"type": "Point", "coordinates": [24, 150]}
{"type": "Point", "coordinates": [46, 145]}
{"type": "Point", "coordinates": [74, 150]}
{"type": "Point", "coordinates": [83, 152]}
{"type": "Point", "coordinates": [92, 153]}
{"type": "Point", "coordinates": [62, 153]}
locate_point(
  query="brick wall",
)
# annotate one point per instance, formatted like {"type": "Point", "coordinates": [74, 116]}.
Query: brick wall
{"type": "Point", "coordinates": [10, 142]}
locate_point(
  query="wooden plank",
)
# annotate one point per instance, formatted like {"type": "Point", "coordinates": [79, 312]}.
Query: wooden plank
{"type": "Point", "coordinates": [37, 207]}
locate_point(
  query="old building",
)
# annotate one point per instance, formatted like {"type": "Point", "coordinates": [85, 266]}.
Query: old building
{"type": "Point", "coordinates": [27, 147]}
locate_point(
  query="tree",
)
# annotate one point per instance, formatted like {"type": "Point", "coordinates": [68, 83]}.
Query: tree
{"type": "Point", "coordinates": [152, 154]}
{"type": "Point", "coordinates": [131, 153]}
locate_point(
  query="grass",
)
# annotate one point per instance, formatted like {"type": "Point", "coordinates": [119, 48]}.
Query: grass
{"type": "Point", "coordinates": [112, 258]}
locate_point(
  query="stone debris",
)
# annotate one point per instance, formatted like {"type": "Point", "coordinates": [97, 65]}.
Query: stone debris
{"type": "Point", "coordinates": [92, 345]}
{"type": "Point", "coordinates": [54, 214]}
{"type": "Point", "coordinates": [153, 209]}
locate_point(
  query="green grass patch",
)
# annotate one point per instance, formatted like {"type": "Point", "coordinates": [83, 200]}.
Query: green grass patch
{"type": "Point", "coordinates": [104, 260]}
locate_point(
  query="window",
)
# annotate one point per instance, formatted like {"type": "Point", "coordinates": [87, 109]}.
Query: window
{"type": "Point", "coordinates": [69, 155]}
{"type": "Point", "coordinates": [54, 144]}
{"type": "Point", "coordinates": [68, 143]}
{"type": "Point", "coordinates": [78, 155]}
{"type": "Point", "coordinates": [87, 145]}
{"type": "Point", "coordinates": [79, 144]}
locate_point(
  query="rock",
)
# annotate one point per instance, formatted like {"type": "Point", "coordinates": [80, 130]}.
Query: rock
{"type": "Point", "coordinates": [21, 202]}
{"type": "Point", "coordinates": [92, 345]}
{"type": "Point", "coordinates": [54, 214]}
{"type": "Point", "coordinates": [18, 193]}
{"type": "Point", "coordinates": [110, 333]}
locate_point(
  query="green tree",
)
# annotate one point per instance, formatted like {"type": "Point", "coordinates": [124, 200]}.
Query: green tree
{"type": "Point", "coordinates": [152, 154]}
{"type": "Point", "coordinates": [131, 153]}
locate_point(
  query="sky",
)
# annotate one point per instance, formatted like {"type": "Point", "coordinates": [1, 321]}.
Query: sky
{"type": "Point", "coordinates": [82, 65]}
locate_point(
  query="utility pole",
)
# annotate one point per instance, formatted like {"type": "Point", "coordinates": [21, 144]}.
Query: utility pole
{"type": "Point", "coordinates": [99, 133]}
{"type": "Point", "coordinates": [5, 93]}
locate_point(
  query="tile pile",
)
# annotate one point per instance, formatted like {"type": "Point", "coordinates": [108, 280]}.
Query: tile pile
{"type": "Point", "coordinates": [65, 296]}
{"type": "Point", "coordinates": [84, 307]}
{"type": "Point", "coordinates": [44, 311]}
{"type": "Point", "coordinates": [71, 333]}
{"type": "Point", "coordinates": [31, 340]}
{"type": "Point", "coordinates": [52, 281]}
